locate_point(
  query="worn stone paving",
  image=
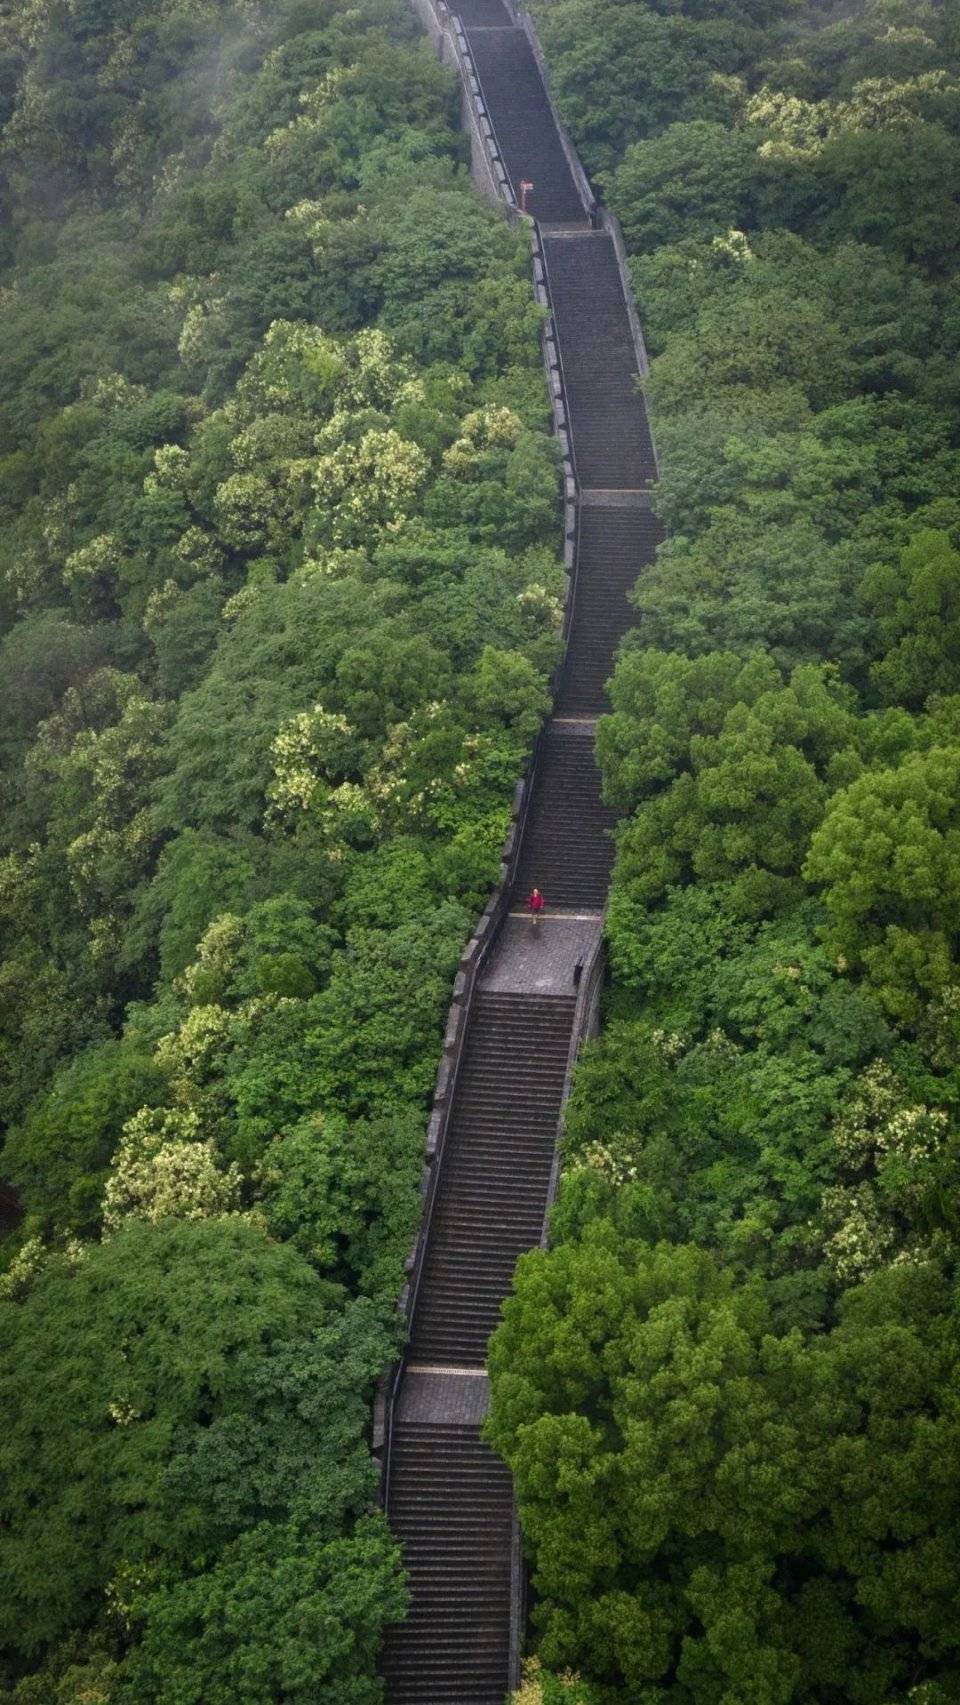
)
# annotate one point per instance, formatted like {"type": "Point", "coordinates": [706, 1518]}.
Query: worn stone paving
{"type": "Point", "coordinates": [541, 958]}
{"type": "Point", "coordinates": [457, 1398]}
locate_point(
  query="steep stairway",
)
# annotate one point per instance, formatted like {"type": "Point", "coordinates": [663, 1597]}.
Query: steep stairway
{"type": "Point", "coordinates": [448, 1498]}
{"type": "Point", "coordinates": [525, 127]}
{"type": "Point", "coordinates": [612, 447]}
{"type": "Point", "coordinates": [483, 14]}
{"type": "Point", "coordinates": [614, 546]}
{"type": "Point", "coordinates": [567, 851]}
{"type": "Point", "coordinates": [495, 1171]}
{"type": "Point", "coordinates": [451, 1507]}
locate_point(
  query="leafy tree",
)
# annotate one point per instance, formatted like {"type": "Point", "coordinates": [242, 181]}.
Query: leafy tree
{"type": "Point", "coordinates": [162, 1170]}
{"type": "Point", "coordinates": [387, 989]}
{"type": "Point", "coordinates": [58, 1155]}
{"type": "Point", "coordinates": [742, 583]}
{"type": "Point", "coordinates": [679, 1472]}
{"type": "Point", "coordinates": [80, 1667]}
{"type": "Point", "coordinates": [916, 612]}
{"type": "Point", "coordinates": [197, 876]}
{"type": "Point", "coordinates": [890, 188]}
{"type": "Point", "coordinates": [280, 1612]}
{"type": "Point", "coordinates": [692, 180]}
{"type": "Point", "coordinates": [346, 1195]}
{"type": "Point", "coordinates": [623, 73]}
{"type": "Point", "coordinates": [753, 793]}
{"type": "Point", "coordinates": [118, 1367]}
{"type": "Point", "coordinates": [886, 859]}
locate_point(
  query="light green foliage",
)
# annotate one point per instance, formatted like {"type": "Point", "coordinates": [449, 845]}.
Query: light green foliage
{"type": "Point", "coordinates": [277, 947]}
{"type": "Point", "coordinates": [712, 1118]}
{"type": "Point", "coordinates": [749, 789]}
{"type": "Point", "coordinates": [916, 609]}
{"type": "Point", "coordinates": [539, 1687]}
{"type": "Point", "coordinates": [660, 704]}
{"type": "Point", "coordinates": [162, 1170]}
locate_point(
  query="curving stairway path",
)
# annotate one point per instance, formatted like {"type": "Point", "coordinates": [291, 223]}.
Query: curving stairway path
{"type": "Point", "coordinates": [448, 1498]}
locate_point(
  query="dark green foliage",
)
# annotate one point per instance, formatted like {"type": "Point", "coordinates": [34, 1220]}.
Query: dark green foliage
{"type": "Point", "coordinates": [346, 1193]}
{"type": "Point", "coordinates": [148, 1383]}
{"type": "Point", "coordinates": [279, 1615]}
{"type": "Point", "coordinates": [701, 1496]}
{"type": "Point", "coordinates": [693, 180]}
{"type": "Point", "coordinates": [59, 1155]}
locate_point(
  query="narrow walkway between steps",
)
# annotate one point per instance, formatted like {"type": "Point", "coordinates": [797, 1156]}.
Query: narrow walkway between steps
{"type": "Point", "coordinates": [448, 1498]}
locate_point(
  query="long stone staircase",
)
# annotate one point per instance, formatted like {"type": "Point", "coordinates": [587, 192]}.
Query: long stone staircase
{"type": "Point", "coordinates": [614, 544]}
{"type": "Point", "coordinates": [612, 448]}
{"type": "Point", "coordinates": [567, 851]}
{"type": "Point", "coordinates": [496, 1170]}
{"type": "Point", "coordinates": [448, 1497]}
{"type": "Point", "coordinates": [528, 137]}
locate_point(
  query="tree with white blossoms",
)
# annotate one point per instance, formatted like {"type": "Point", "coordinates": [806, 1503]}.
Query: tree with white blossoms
{"type": "Point", "coordinates": [539, 1687]}
{"type": "Point", "coordinates": [801, 128]}
{"type": "Point", "coordinates": [194, 1056]}
{"type": "Point", "coordinates": [32, 1258]}
{"type": "Point", "coordinates": [376, 376]}
{"type": "Point", "coordinates": [363, 487]}
{"type": "Point", "coordinates": [488, 428]}
{"type": "Point", "coordinates": [104, 775]}
{"type": "Point", "coordinates": [297, 369]}
{"type": "Point", "coordinates": [888, 1150]}
{"type": "Point", "coordinates": [218, 952]}
{"type": "Point", "coordinates": [90, 573]}
{"type": "Point", "coordinates": [163, 1169]}
{"type": "Point", "coordinates": [200, 320]}
{"type": "Point", "coordinates": [311, 753]}
{"type": "Point", "coordinates": [301, 370]}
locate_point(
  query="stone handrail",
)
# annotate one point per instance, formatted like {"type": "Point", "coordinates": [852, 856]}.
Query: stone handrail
{"type": "Point", "coordinates": [608, 222]}
{"type": "Point", "coordinates": [585, 1024]}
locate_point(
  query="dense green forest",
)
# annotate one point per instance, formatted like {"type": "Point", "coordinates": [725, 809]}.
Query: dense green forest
{"type": "Point", "coordinates": [728, 1393]}
{"type": "Point", "coordinates": [278, 601]}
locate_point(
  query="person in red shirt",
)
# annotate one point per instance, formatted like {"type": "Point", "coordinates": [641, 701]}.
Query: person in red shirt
{"type": "Point", "coordinates": [536, 903]}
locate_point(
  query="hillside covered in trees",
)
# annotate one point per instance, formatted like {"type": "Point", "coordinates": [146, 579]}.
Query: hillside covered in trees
{"type": "Point", "coordinates": [728, 1392]}
{"type": "Point", "coordinates": [278, 601]}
